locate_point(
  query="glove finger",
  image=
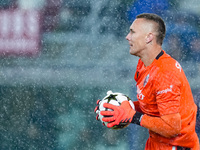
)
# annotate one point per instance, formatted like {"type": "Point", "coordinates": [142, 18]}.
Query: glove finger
{"type": "Point", "coordinates": [110, 125]}
{"type": "Point", "coordinates": [96, 108]}
{"type": "Point", "coordinates": [98, 101]}
{"type": "Point", "coordinates": [107, 113]}
{"type": "Point", "coordinates": [110, 106]}
{"type": "Point", "coordinates": [126, 103]}
{"type": "Point", "coordinates": [108, 119]}
{"type": "Point", "coordinates": [97, 117]}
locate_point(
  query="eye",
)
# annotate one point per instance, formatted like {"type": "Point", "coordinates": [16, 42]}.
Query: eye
{"type": "Point", "coordinates": [131, 31]}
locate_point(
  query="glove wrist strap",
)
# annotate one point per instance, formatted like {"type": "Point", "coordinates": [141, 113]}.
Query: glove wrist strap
{"type": "Point", "coordinates": [137, 118]}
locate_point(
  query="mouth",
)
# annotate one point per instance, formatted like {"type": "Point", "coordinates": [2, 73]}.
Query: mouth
{"type": "Point", "coordinates": [130, 44]}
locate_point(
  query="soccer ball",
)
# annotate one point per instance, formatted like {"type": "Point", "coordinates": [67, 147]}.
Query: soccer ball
{"type": "Point", "coordinates": [115, 99]}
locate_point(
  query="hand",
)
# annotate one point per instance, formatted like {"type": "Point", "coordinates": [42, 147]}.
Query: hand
{"type": "Point", "coordinates": [120, 114]}
{"type": "Point", "coordinates": [96, 110]}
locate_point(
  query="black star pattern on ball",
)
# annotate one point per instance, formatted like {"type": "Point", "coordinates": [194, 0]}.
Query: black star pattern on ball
{"type": "Point", "coordinates": [110, 97]}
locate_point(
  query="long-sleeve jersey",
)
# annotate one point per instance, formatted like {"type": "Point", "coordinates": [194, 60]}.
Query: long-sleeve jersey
{"type": "Point", "coordinates": [163, 89]}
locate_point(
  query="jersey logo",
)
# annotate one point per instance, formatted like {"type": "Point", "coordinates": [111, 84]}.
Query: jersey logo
{"type": "Point", "coordinates": [166, 90]}
{"type": "Point", "coordinates": [146, 80]}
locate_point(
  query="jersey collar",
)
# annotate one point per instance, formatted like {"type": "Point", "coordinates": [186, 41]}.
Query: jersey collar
{"type": "Point", "coordinates": [159, 55]}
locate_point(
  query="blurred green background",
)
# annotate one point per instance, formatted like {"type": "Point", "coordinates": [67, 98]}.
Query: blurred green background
{"type": "Point", "coordinates": [47, 101]}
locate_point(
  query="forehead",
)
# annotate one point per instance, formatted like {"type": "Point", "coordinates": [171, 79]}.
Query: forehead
{"type": "Point", "coordinates": [137, 23]}
{"type": "Point", "coordinates": [142, 24]}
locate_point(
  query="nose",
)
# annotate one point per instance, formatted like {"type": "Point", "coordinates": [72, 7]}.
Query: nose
{"type": "Point", "coordinates": [128, 37]}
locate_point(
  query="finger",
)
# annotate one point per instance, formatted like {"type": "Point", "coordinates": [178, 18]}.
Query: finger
{"type": "Point", "coordinates": [109, 106]}
{"type": "Point", "coordinates": [96, 108]}
{"type": "Point", "coordinates": [108, 119]}
{"type": "Point", "coordinates": [112, 124]}
{"type": "Point", "coordinates": [97, 117]}
{"type": "Point", "coordinates": [98, 101]}
{"type": "Point", "coordinates": [125, 103]}
{"type": "Point", "coordinates": [107, 113]}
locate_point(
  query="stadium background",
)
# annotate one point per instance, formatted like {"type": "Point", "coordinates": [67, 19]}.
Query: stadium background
{"type": "Point", "coordinates": [49, 91]}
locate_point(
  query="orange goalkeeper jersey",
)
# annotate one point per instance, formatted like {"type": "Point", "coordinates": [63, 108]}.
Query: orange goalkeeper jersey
{"type": "Point", "coordinates": [163, 89]}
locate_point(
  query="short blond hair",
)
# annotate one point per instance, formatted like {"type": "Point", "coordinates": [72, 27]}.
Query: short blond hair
{"type": "Point", "coordinates": [161, 29]}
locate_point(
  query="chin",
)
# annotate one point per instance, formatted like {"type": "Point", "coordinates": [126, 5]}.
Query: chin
{"type": "Point", "coordinates": [132, 52]}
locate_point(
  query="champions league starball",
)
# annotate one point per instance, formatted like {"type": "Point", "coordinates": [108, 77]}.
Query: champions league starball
{"type": "Point", "coordinates": [115, 99]}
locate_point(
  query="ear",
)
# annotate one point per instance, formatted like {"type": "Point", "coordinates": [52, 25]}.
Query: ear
{"type": "Point", "coordinates": [149, 38]}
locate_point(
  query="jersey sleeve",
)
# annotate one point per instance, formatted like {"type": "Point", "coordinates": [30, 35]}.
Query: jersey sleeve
{"type": "Point", "coordinates": [168, 97]}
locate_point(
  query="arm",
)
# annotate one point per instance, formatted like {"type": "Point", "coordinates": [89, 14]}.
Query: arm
{"type": "Point", "coordinates": [168, 125]}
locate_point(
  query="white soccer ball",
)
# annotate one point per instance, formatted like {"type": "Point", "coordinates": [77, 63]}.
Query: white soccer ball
{"type": "Point", "coordinates": [115, 99]}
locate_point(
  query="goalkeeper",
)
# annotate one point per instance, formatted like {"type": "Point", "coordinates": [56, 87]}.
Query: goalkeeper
{"type": "Point", "coordinates": [165, 103]}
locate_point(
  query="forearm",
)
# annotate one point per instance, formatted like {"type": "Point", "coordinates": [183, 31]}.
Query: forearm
{"type": "Point", "coordinates": [167, 126]}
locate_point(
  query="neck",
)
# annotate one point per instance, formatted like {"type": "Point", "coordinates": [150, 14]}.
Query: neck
{"type": "Point", "coordinates": [150, 55]}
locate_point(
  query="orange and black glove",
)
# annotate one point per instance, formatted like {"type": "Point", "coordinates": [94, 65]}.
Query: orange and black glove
{"type": "Point", "coordinates": [120, 114]}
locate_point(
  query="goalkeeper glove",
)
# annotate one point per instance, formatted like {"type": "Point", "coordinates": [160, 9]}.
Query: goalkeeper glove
{"type": "Point", "coordinates": [96, 110]}
{"type": "Point", "coordinates": [120, 114]}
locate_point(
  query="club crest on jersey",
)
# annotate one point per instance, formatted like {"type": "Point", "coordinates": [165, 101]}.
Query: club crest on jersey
{"type": "Point", "coordinates": [146, 80]}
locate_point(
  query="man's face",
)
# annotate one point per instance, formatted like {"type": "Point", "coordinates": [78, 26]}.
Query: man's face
{"type": "Point", "coordinates": [137, 36]}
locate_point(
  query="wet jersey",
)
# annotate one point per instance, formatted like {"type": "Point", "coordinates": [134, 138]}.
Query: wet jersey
{"type": "Point", "coordinates": [163, 89]}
